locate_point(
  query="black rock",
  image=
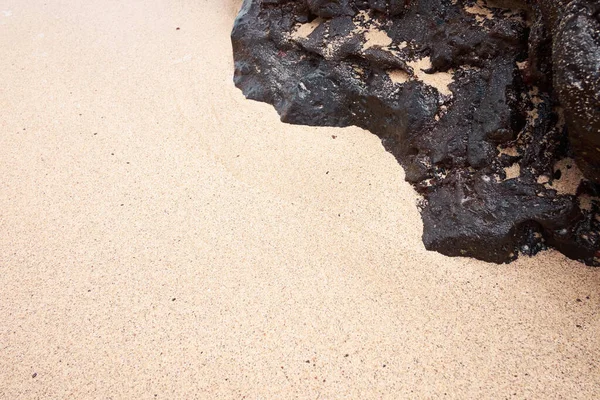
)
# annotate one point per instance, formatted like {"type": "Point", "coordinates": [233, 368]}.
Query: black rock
{"type": "Point", "coordinates": [461, 94]}
{"type": "Point", "coordinates": [576, 66]}
{"type": "Point", "coordinates": [329, 8]}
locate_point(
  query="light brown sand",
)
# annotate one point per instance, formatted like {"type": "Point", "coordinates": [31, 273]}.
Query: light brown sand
{"type": "Point", "coordinates": [377, 38]}
{"type": "Point", "coordinates": [304, 30]}
{"type": "Point", "coordinates": [480, 8]}
{"type": "Point", "coordinates": [512, 172]}
{"type": "Point", "coordinates": [399, 76]}
{"type": "Point", "coordinates": [162, 237]}
{"type": "Point", "coordinates": [439, 80]}
{"type": "Point", "coordinates": [570, 178]}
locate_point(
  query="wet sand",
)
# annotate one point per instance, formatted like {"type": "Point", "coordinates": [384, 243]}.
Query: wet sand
{"type": "Point", "coordinates": [162, 237]}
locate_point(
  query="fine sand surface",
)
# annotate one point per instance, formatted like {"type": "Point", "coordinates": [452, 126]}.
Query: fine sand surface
{"type": "Point", "coordinates": [162, 237]}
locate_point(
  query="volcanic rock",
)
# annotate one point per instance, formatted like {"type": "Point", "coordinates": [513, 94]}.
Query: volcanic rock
{"type": "Point", "coordinates": [470, 97]}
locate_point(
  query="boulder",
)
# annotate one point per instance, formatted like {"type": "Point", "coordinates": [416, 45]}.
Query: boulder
{"type": "Point", "coordinates": [471, 98]}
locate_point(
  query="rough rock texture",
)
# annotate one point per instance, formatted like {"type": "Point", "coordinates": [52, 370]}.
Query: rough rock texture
{"type": "Point", "coordinates": [576, 55]}
{"type": "Point", "coordinates": [463, 93]}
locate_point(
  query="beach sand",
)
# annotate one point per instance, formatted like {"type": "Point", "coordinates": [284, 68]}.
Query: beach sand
{"type": "Point", "coordinates": [165, 238]}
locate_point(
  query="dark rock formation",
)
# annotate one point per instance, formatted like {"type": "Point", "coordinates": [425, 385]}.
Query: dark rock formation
{"type": "Point", "coordinates": [576, 60]}
{"type": "Point", "coordinates": [464, 94]}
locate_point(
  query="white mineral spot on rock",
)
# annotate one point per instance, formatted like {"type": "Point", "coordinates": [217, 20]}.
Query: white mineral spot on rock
{"type": "Point", "coordinates": [330, 49]}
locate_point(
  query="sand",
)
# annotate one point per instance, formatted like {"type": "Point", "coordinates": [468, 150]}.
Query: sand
{"type": "Point", "coordinates": [439, 80]}
{"type": "Point", "coordinates": [162, 237]}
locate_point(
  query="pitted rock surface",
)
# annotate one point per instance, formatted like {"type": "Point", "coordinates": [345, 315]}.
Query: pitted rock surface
{"type": "Point", "coordinates": [464, 94]}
